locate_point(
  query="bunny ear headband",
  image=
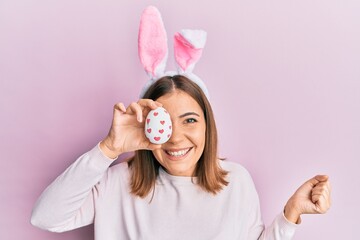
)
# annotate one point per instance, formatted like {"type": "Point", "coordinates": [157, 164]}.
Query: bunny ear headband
{"type": "Point", "coordinates": [153, 49]}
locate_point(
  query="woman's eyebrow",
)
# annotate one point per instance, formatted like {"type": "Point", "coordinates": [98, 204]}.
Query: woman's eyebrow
{"type": "Point", "coordinates": [188, 114]}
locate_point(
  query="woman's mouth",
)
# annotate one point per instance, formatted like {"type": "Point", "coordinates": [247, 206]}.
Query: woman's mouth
{"type": "Point", "coordinates": [176, 154]}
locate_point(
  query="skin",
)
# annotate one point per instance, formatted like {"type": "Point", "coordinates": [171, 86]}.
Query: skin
{"type": "Point", "coordinates": [188, 134]}
{"type": "Point", "coordinates": [312, 197]}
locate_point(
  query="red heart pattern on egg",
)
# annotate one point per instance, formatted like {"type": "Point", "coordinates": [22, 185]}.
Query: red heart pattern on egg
{"type": "Point", "coordinates": [158, 126]}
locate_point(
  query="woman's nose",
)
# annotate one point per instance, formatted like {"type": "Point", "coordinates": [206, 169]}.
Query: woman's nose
{"type": "Point", "coordinates": [177, 135]}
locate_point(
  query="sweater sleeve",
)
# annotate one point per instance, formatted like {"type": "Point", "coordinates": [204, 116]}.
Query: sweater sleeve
{"type": "Point", "coordinates": [280, 228]}
{"type": "Point", "coordinates": [69, 201]}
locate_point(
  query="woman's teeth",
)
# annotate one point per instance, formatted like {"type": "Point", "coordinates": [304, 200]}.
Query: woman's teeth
{"type": "Point", "coordinates": [178, 153]}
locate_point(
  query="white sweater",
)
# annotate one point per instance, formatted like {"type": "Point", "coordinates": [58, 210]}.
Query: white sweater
{"type": "Point", "coordinates": [91, 192]}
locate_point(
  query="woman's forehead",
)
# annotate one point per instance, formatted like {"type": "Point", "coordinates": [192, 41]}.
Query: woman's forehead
{"type": "Point", "coordinates": [178, 102]}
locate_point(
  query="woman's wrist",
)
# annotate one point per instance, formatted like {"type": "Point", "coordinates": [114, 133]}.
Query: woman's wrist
{"type": "Point", "coordinates": [291, 214]}
{"type": "Point", "coordinates": [108, 150]}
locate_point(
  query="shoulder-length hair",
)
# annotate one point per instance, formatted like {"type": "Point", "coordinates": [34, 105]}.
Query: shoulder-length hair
{"type": "Point", "coordinates": [144, 166]}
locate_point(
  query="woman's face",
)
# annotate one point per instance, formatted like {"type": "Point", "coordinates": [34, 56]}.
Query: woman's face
{"type": "Point", "coordinates": [181, 153]}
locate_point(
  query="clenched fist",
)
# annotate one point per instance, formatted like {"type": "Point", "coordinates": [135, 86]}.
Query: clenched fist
{"type": "Point", "coordinates": [313, 197]}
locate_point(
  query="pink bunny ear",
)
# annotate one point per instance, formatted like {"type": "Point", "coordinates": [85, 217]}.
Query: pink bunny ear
{"type": "Point", "coordinates": [153, 48]}
{"type": "Point", "coordinates": [188, 46]}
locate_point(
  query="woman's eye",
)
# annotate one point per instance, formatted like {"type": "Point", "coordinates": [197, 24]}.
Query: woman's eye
{"type": "Point", "coordinates": [191, 120]}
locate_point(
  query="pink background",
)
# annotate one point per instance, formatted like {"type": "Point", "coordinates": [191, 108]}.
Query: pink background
{"type": "Point", "coordinates": [283, 78]}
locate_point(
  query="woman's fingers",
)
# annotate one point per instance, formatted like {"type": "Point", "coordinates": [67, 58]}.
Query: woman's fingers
{"type": "Point", "coordinates": [135, 108]}
{"type": "Point", "coordinates": [314, 196]}
{"type": "Point", "coordinates": [321, 178]}
{"type": "Point", "coordinates": [120, 107]}
{"type": "Point", "coordinates": [149, 103]}
{"type": "Point", "coordinates": [126, 132]}
{"type": "Point", "coordinates": [324, 187]}
{"type": "Point", "coordinates": [142, 107]}
{"type": "Point", "coordinates": [320, 196]}
{"type": "Point", "coordinates": [322, 204]}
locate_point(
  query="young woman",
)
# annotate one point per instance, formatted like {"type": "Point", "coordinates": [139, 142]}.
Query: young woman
{"type": "Point", "coordinates": [176, 190]}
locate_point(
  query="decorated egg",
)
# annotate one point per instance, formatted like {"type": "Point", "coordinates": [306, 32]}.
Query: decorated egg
{"type": "Point", "coordinates": [158, 126]}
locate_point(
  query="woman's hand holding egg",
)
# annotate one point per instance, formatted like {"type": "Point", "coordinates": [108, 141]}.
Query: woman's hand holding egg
{"type": "Point", "coordinates": [127, 130]}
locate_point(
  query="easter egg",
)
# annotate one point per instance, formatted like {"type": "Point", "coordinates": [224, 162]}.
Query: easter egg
{"type": "Point", "coordinates": [158, 126]}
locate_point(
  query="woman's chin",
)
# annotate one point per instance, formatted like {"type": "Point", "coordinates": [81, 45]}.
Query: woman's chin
{"type": "Point", "coordinates": [184, 171]}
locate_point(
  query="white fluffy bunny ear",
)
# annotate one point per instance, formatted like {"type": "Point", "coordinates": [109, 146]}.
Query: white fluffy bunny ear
{"type": "Point", "coordinates": [188, 47]}
{"type": "Point", "coordinates": [152, 42]}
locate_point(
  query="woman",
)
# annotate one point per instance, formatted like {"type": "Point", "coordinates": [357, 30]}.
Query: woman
{"type": "Point", "coordinates": [177, 190]}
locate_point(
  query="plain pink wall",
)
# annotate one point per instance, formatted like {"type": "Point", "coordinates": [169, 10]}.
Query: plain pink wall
{"type": "Point", "coordinates": [284, 79]}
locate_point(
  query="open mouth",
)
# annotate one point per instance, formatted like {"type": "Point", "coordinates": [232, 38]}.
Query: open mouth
{"type": "Point", "coordinates": [178, 153]}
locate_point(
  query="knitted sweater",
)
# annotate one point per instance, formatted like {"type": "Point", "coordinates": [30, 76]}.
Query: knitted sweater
{"type": "Point", "coordinates": [90, 191]}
